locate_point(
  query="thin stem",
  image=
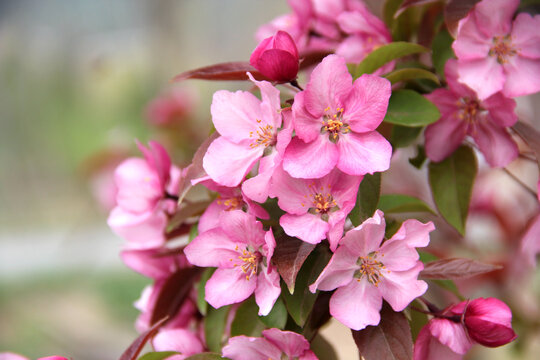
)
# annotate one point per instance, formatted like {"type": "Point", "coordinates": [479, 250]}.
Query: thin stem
{"type": "Point", "coordinates": [296, 85]}
{"type": "Point", "coordinates": [523, 185]}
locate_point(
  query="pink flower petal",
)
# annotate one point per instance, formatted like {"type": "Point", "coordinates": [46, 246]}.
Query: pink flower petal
{"type": "Point", "coordinates": [307, 126]}
{"type": "Point", "coordinates": [212, 248]}
{"type": "Point", "coordinates": [210, 218]}
{"type": "Point", "coordinates": [364, 153]}
{"type": "Point", "coordinates": [446, 101]}
{"type": "Point", "coordinates": [278, 65]}
{"type": "Point", "coordinates": [149, 262]}
{"type": "Point", "coordinates": [228, 163]}
{"type": "Point", "coordinates": [530, 242]}
{"type": "Point", "coordinates": [339, 271]}
{"type": "Point", "coordinates": [471, 42]}
{"type": "Point", "coordinates": [357, 304]}
{"type": "Point", "coordinates": [257, 187]}
{"type": "Point", "coordinates": [366, 105]}
{"type": "Point", "coordinates": [308, 227]}
{"type": "Point", "coordinates": [229, 286]}
{"type": "Point", "coordinates": [495, 143]}
{"type": "Point", "coordinates": [293, 194]}
{"type": "Point", "coordinates": [142, 231]}
{"type": "Point", "coordinates": [450, 334]}
{"type": "Point", "coordinates": [501, 109]}
{"type": "Point", "coordinates": [329, 84]}
{"type": "Point", "coordinates": [310, 160]}
{"type": "Point", "coordinates": [293, 344]}
{"type": "Point", "coordinates": [400, 288]}
{"type": "Point", "coordinates": [270, 104]}
{"type": "Point", "coordinates": [428, 347]}
{"type": "Point", "coordinates": [444, 137]}
{"type": "Point", "coordinates": [494, 17]}
{"type": "Point", "coordinates": [181, 340]}
{"type": "Point", "coordinates": [414, 233]}
{"type": "Point", "coordinates": [250, 348]}
{"type": "Point", "coordinates": [525, 37]}
{"type": "Point", "coordinates": [485, 76]}
{"type": "Point", "coordinates": [267, 291]}
{"type": "Point", "coordinates": [367, 237]}
{"type": "Point", "coordinates": [336, 224]}
{"type": "Point", "coordinates": [11, 356]}
{"type": "Point", "coordinates": [522, 76]}
{"type": "Point", "coordinates": [242, 228]}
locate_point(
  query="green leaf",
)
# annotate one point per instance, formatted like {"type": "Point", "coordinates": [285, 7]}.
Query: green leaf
{"type": "Point", "coordinates": [409, 108]}
{"type": "Point", "coordinates": [403, 136]}
{"type": "Point", "coordinates": [277, 318]}
{"type": "Point", "coordinates": [300, 303]}
{"type": "Point", "coordinates": [202, 305]}
{"type": "Point", "coordinates": [441, 51]}
{"type": "Point", "coordinates": [246, 321]}
{"type": "Point", "coordinates": [417, 319]}
{"type": "Point", "coordinates": [398, 203]}
{"type": "Point", "coordinates": [207, 356]}
{"type": "Point", "coordinates": [389, 9]}
{"type": "Point", "coordinates": [451, 182]}
{"type": "Point", "coordinates": [411, 74]}
{"type": "Point", "coordinates": [158, 355]}
{"type": "Point", "coordinates": [448, 285]}
{"type": "Point", "coordinates": [323, 349]}
{"type": "Point", "coordinates": [385, 54]}
{"type": "Point", "coordinates": [214, 327]}
{"type": "Point", "coordinates": [367, 199]}
{"type": "Point", "coordinates": [392, 226]}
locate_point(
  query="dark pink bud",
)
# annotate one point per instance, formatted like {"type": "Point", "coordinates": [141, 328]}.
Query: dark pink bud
{"type": "Point", "coordinates": [53, 358]}
{"type": "Point", "coordinates": [276, 57]}
{"type": "Point", "coordinates": [489, 322]}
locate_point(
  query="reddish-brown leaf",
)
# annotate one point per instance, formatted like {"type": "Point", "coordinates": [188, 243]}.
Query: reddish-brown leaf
{"type": "Point", "coordinates": [456, 268]}
{"type": "Point", "coordinates": [136, 346]}
{"type": "Point", "coordinates": [531, 136]}
{"type": "Point", "coordinates": [225, 71]}
{"type": "Point", "coordinates": [390, 340]}
{"type": "Point", "coordinates": [187, 211]}
{"type": "Point", "coordinates": [289, 255]}
{"type": "Point", "coordinates": [410, 3]}
{"type": "Point", "coordinates": [312, 58]}
{"type": "Point", "coordinates": [173, 293]}
{"type": "Point", "coordinates": [456, 10]}
{"type": "Point", "coordinates": [195, 170]}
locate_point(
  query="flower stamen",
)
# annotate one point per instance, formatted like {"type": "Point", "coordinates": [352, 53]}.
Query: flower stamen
{"type": "Point", "coordinates": [502, 48]}
{"type": "Point", "coordinates": [370, 268]}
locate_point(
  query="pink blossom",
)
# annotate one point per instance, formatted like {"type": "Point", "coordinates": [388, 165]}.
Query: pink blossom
{"type": "Point", "coordinates": [181, 340]}
{"type": "Point", "coordinates": [316, 209]}
{"type": "Point", "coordinates": [276, 57]}
{"type": "Point", "coordinates": [495, 54]}
{"type": "Point", "coordinates": [462, 114]}
{"type": "Point", "coordinates": [364, 272]}
{"type": "Point", "coordinates": [451, 334]}
{"type": "Point", "coordinates": [53, 358]}
{"type": "Point", "coordinates": [335, 121]}
{"type": "Point", "coordinates": [170, 108]}
{"type": "Point", "coordinates": [248, 127]}
{"type": "Point", "coordinates": [275, 344]}
{"type": "Point", "coordinates": [11, 356]}
{"type": "Point", "coordinates": [241, 250]}
{"type": "Point", "coordinates": [153, 263]}
{"type": "Point", "coordinates": [530, 243]}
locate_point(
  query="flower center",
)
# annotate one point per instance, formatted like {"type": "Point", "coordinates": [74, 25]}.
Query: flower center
{"type": "Point", "coordinates": [264, 136]}
{"type": "Point", "coordinates": [333, 123]}
{"type": "Point", "coordinates": [249, 262]}
{"type": "Point", "coordinates": [233, 203]}
{"type": "Point", "coordinates": [469, 109]}
{"type": "Point", "coordinates": [323, 203]}
{"type": "Point", "coordinates": [502, 48]}
{"type": "Point", "coordinates": [371, 268]}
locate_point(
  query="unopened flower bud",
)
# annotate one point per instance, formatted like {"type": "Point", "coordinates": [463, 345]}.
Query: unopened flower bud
{"type": "Point", "coordinates": [276, 57]}
{"type": "Point", "coordinates": [489, 322]}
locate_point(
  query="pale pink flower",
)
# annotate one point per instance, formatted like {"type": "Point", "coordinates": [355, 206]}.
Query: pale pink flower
{"type": "Point", "coordinates": [530, 243]}
{"type": "Point", "coordinates": [316, 209]}
{"type": "Point", "coordinates": [364, 272]}
{"type": "Point", "coordinates": [462, 114]}
{"type": "Point", "coordinates": [11, 356]}
{"type": "Point", "coordinates": [276, 57]}
{"type": "Point", "coordinates": [170, 108]}
{"type": "Point", "coordinates": [181, 340]}
{"type": "Point", "coordinates": [241, 250]}
{"type": "Point", "coordinates": [153, 263]}
{"type": "Point", "coordinates": [451, 335]}
{"type": "Point", "coordinates": [248, 127]}
{"type": "Point", "coordinates": [274, 344]}
{"type": "Point", "coordinates": [335, 122]}
{"type": "Point", "coordinates": [495, 54]}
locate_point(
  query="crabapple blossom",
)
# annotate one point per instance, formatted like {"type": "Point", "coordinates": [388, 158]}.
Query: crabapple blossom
{"type": "Point", "coordinates": [170, 108]}
{"type": "Point", "coordinates": [153, 263]}
{"type": "Point", "coordinates": [241, 250]}
{"type": "Point", "coordinates": [530, 243]}
{"type": "Point", "coordinates": [462, 114]}
{"type": "Point", "coordinates": [248, 127]}
{"type": "Point", "coordinates": [364, 272]}
{"type": "Point", "coordinates": [335, 121]}
{"type": "Point", "coordinates": [495, 54]}
{"type": "Point", "coordinates": [181, 340]}
{"type": "Point", "coordinates": [274, 344]}
{"type": "Point", "coordinates": [11, 356]}
{"type": "Point", "coordinates": [276, 57]}
{"type": "Point", "coordinates": [316, 209]}
{"type": "Point", "coordinates": [452, 333]}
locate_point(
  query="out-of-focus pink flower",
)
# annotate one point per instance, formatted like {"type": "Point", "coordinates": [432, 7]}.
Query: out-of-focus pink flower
{"type": "Point", "coordinates": [462, 114]}
{"type": "Point", "coordinates": [11, 356]}
{"type": "Point", "coordinates": [364, 272]}
{"type": "Point", "coordinates": [241, 250]}
{"type": "Point", "coordinates": [275, 344]}
{"type": "Point", "coordinates": [316, 209]}
{"type": "Point", "coordinates": [530, 243]}
{"type": "Point", "coordinates": [170, 108]}
{"type": "Point", "coordinates": [248, 126]}
{"type": "Point", "coordinates": [495, 54]}
{"type": "Point", "coordinates": [53, 358]}
{"type": "Point", "coordinates": [276, 57]}
{"type": "Point", "coordinates": [153, 263]}
{"type": "Point", "coordinates": [458, 327]}
{"type": "Point", "coordinates": [181, 340]}
{"type": "Point", "coordinates": [335, 122]}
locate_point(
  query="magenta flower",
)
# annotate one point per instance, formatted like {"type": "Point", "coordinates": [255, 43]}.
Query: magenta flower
{"type": "Point", "coordinates": [248, 126]}
{"type": "Point", "coordinates": [335, 122]}
{"type": "Point", "coordinates": [275, 344]}
{"type": "Point", "coordinates": [316, 209]}
{"type": "Point", "coordinates": [462, 114]}
{"type": "Point", "coordinates": [450, 336]}
{"type": "Point", "coordinates": [276, 57]}
{"type": "Point", "coordinates": [364, 272]}
{"type": "Point", "coordinates": [241, 250]}
{"type": "Point", "coordinates": [153, 263]}
{"type": "Point", "coordinates": [495, 54]}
